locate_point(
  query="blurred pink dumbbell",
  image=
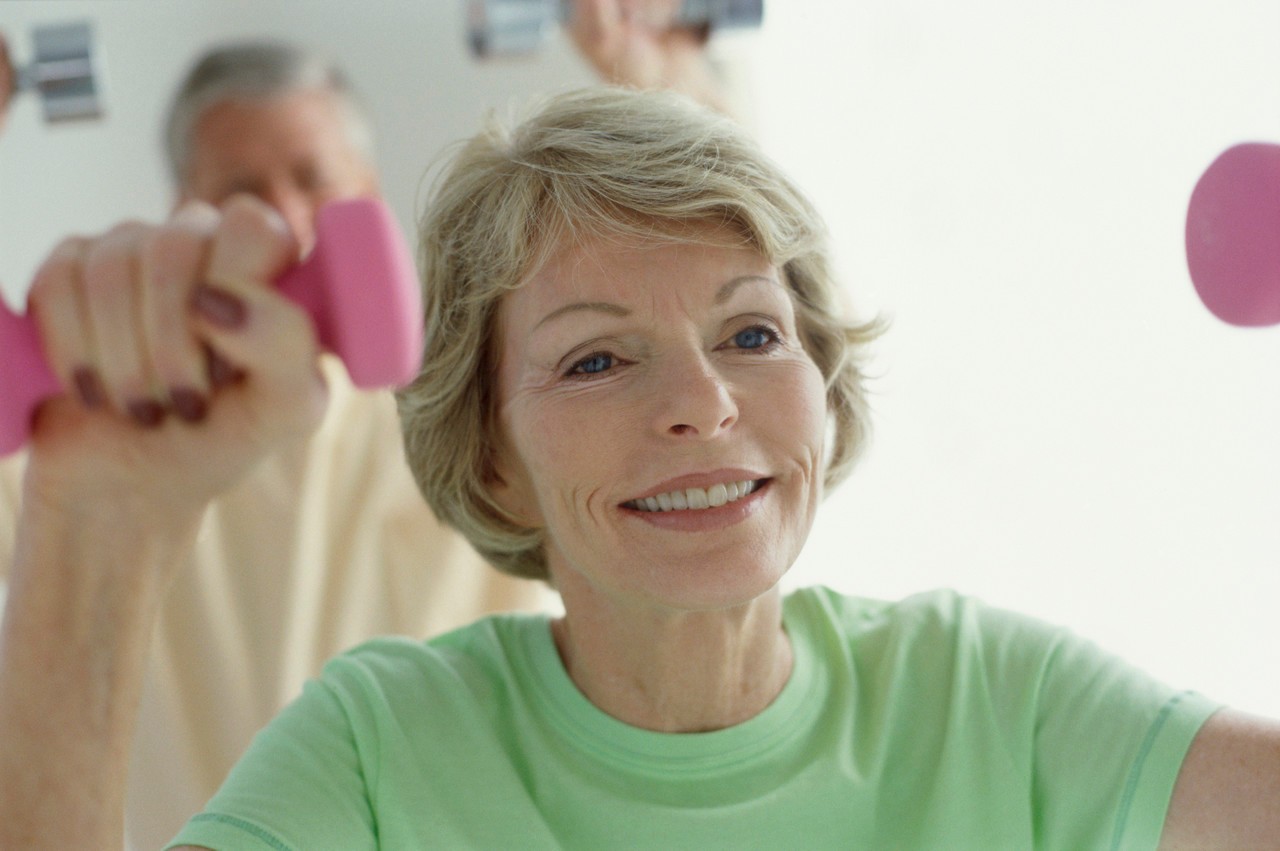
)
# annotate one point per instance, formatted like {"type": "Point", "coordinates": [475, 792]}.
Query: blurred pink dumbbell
{"type": "Point", "coordinates": [358, 285]}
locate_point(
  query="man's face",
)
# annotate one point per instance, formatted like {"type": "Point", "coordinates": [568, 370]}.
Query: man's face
{"type": "Point", "coordinates": [293, 151]}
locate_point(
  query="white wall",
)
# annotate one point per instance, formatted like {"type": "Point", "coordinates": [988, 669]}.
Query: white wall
{"type": "Point", "coordinates": [408, 58]}
{"type": "Point", "coordinates": [1060, 427]}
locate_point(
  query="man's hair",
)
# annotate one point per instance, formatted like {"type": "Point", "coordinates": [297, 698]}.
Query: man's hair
{"type": "Point", "coordinates": [256, 71]}
{"type": "Point", "coordinates": [607, 163]}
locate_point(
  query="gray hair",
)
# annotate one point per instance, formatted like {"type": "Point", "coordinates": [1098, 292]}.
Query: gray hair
{"type": "Point", "coordinates": [256, 71]}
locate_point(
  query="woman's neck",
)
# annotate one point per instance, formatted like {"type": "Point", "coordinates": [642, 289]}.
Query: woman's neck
{"type": "Point", "coordinates": [678, 672]}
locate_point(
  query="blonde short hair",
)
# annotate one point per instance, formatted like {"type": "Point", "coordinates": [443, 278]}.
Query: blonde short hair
{"type": "Point", "coordinates": [599, 162]}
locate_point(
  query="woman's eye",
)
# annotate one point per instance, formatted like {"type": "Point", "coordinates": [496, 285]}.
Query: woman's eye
{"type": "Point", "coordinates": [755, 337]}
{"type": "Point", "coordinates": [592, 364]}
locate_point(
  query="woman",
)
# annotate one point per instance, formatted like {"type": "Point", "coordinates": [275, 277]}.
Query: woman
{"type": "Point", "coordinates": [636, 386]}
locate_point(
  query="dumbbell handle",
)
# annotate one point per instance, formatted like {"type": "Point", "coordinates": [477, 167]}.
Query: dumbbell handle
{"type": "Point", "coordinates": [358, 286]}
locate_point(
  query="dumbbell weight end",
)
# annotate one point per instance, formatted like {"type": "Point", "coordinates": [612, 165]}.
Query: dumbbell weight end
{"type": "Point", "coordinates": [361, 291]}
{"type": "Point", "coordinates": [25, 378]}
{"type": "Point", "coordinates": [1233, 235]}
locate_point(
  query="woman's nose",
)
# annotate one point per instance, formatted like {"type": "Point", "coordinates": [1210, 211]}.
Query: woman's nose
{"type": "Point", "coordinates": [696, 402]}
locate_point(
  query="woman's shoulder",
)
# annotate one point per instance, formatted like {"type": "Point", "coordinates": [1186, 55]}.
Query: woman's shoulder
{"type": "Point", "coordinates": [941, 609]}
{"type": "Point", "coordinates": [937, 625]}
{"type": "Point", "coordinates": [946, 636]}
{"type": "Point", "coordinates": [472, 656]}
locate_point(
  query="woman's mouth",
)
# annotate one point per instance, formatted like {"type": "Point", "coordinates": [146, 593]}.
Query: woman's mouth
{"type": "Point", "coordinates": [693, 499]}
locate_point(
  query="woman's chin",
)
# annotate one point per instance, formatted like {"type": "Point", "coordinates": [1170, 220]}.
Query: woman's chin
{"type": "Point", "coordinates": [713, 587]}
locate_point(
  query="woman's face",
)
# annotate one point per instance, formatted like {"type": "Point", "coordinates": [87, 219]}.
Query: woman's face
{"type": "Point", "coordinates": [640, 382]}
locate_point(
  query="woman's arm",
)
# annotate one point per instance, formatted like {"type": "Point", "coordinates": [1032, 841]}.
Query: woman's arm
{"type": "Point", "coordinates": [119, 478]}
{"type": "Point", "coordinates": [72, 651]}
{"type": "Point", "coordinates": [1228, 789]}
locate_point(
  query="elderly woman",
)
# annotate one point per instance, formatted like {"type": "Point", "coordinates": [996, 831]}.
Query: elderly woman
{"type": "Point", "coordinates": [637, 386]}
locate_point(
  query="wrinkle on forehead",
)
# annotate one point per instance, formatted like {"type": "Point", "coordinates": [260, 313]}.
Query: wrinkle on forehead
{"type": "Point", "coordinates": [563, 238]}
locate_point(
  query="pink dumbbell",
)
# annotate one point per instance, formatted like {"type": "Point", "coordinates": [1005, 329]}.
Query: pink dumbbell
{"type": "Point", "coordinates": [358, 286]}
{"type": "Point", "coordinates": [1233, 235]}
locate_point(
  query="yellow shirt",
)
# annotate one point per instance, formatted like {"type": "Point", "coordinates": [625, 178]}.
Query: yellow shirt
{"type": "Point", "coordinates": [318, 549]}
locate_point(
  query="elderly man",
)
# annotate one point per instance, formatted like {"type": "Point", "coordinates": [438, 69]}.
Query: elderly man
{"type": "Point", "coordinates": [329, 542]}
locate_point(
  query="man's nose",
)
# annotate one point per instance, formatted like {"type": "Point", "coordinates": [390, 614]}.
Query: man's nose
{"type": "Point", "coordinates": [299, 212]}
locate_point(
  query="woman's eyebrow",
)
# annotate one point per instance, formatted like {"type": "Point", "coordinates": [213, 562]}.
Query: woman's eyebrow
{"type": "Point", "coordinates": [726, 292]}
{"type": "Point", "coordinates": [601, 306]}
{"type": "Point", "coordinates": [723, 294]}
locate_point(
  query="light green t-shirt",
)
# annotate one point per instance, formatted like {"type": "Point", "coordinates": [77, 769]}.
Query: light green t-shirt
{"type": "Point", "coordinates": [935, 722]}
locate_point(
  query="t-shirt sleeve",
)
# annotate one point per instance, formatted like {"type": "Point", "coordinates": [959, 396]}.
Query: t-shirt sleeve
{"type": "Point", "coordinates": [300, 785]}
{"type": "Point", "coordinates": [1108, 742]}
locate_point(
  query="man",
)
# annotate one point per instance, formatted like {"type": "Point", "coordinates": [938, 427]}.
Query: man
{"type": "Point", "coordinates": [328, 543]}
{"type": "Point", "coordinates": [273, 121]}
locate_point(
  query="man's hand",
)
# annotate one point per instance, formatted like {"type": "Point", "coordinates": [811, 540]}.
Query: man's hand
{"type": "Point", "coordinates": [636, 43]}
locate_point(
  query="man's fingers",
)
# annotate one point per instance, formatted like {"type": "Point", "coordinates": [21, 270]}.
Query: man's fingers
{"type": "Point", "coordinates": [596, 28]}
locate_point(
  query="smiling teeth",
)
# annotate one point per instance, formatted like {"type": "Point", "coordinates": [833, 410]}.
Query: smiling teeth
{"type": "Point", "coordinates": [694, 498]}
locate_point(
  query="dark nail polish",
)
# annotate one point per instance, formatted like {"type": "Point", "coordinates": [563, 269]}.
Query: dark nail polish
{"type": "Point", "coordinates": [221, 373]}
{"type": "Point", "coordinates": [188, 404]}
{"type": "Point", "coordinates": [89, 386]}
{"type": "Point", "coordinates": [219, 306]}
{"type": "Point", "coordinates": [147, 412]}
